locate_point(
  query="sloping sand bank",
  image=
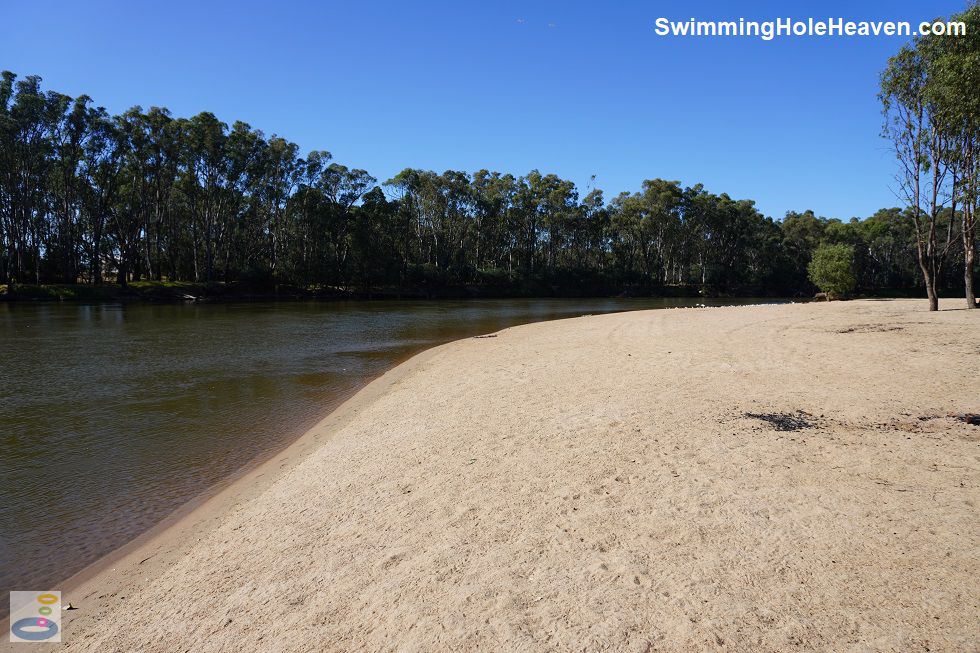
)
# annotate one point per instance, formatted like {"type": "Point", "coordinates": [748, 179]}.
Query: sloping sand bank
{"type": "Point", "coordinates": [596, 484]}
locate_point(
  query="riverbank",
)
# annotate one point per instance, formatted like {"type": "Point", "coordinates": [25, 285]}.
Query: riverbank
{"type": "Point", "coordinates": [165, 291]}
{"type": "Point", "coordinates": [768, 477]}
{"type": "Point", "coordinates": [223, 292]}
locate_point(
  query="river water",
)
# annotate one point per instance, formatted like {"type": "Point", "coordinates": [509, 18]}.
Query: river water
{"type": "Point", "coordinates": [112, 416]}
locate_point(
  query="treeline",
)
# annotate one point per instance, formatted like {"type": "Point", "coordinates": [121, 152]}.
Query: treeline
{"type": "Point", "coordinates": [88, 197]}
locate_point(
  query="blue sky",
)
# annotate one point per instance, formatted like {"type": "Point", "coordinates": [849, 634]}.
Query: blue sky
{"type": "Point", "coordinates": [574, 88]}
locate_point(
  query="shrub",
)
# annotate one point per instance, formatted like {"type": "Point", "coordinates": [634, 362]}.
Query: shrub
{"type": "Point", "coordinates": [832, 269]}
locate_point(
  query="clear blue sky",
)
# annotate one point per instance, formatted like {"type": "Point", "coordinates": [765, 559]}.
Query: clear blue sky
{"type": "Point", "coordinates": [574, 88]}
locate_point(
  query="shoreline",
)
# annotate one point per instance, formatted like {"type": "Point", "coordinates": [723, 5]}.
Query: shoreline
{"type": "Point", "coordinates": [137, 569]}
{"type": "Point", "coordinates": [160, 544]}
{"type": "Point", "coordinates": [163, 541]}
{"type": "Point", "coordinates": [286, 433]}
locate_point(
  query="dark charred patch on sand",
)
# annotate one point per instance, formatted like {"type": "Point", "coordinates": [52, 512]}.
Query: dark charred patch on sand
{"type": "Point", "coordinates": [797, 421]}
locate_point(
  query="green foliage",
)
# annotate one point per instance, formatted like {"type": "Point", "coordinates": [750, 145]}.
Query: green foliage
{"type": "Point", "coordinates": [149, 201]}
{"type": "Point", "coordinates": [832, 269]}
{"type": "Point", "coordinates": [61, 292]}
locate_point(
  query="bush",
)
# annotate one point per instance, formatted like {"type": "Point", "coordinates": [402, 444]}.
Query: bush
{"type": "Point", "coordinates": [832, 269]}
{"type": "Point", "coordinates": [497, 277]}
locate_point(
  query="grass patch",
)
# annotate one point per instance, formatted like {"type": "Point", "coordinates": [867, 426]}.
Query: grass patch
{"type": "Point", "coordinates": [60, 292]}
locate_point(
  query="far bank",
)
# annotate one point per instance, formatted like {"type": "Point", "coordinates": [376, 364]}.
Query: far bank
{"type": "Point", "coordinates": [224, 292]}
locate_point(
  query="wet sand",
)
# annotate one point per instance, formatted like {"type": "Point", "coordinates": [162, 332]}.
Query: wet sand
{"type": "Point", "coordinates": [616, 482]}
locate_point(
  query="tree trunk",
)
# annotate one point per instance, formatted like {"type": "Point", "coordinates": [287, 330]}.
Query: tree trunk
{"type": "Point", "coordinates": [123, 272]}
{"type": "Point", "coordinates": [971, 298]}
{"type": "Point", "coordinates": [97, 259]}
{"type": "Point", "coordinates": [930, 280]}
{"type": "Point", "coordinates": [969, 244]}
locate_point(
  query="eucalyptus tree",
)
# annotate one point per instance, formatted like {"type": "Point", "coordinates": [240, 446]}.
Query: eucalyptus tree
{"type": "Point", "coordinates": [322, 216]}
{"type": "Point", "coordinates": [342, 188]}
{"type": "Point", "coordinates": [703, 217]}
{"type": "Point", "coordinates": [457, 224]}
{"type": "Point", "coordinates": [215, 178]}
{"type": "Point", "coordinates": [377, 250]}
{"type": "Point", "coordinates": [659, 208]}
{"type": "Point", "coordinates": [70, 131]}
{"type": "Point", "coordinates": [426, 197]}
{"type": "Point", "coordinates": [131, 221]}
{"type": "Point", "coordinates": [632, 222]}
{"type": "Point", "coordinates": [101, 172]}
{"type": "Point", "coordinates": [306, 216]}
{"type": "Point", "coordinates": [542, 205]}
{"type": "Point", "coordinates": [275, 171]}
{"type": "Point", "coordinates": [888, 238]}
{"type": "Point", "coordinates": [558, 207]}
{"type": "Point", "coordinates": [416, 193]}
{"type": "Point", "coordinates": [493, 200]}
{"type": "Point", "coordinates": [757, 260]}
{"type": "Point", "coordinates": [921, 145]}
{"type": "Point", "coordinates": [589, 233]}
{"type": "Point", "coordinates": [953, 92]}
{"type": "Point", "coordinates": [164, 151]}
{"type": "Point", "coordinates": [29, 117]}
{"type": "Point", "coordinates": [525, 221]}
{"type": "Point", "coordinates": [7, 163]}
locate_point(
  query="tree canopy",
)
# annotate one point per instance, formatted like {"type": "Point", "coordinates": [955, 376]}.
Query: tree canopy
{"type": "Point", "coordinates": [89, 197]}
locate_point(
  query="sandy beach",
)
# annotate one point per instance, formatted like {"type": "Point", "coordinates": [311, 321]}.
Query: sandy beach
{"type": "Point", "coordinates": [616, 482]}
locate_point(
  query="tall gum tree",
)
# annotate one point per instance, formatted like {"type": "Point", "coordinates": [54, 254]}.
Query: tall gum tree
{"type": "Point", "coordinates": [921, 146]}
{"type": "Point", "coordinates": [953, 89]}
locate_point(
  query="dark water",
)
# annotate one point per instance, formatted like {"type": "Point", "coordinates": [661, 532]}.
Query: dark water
{"type": "Point", "coordinates": [113, 416]}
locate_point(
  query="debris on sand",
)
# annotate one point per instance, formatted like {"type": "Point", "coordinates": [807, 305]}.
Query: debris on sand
{"type": "Point", "coordinates": [785, 421]}
{"type": "Point", "coordinates": [871, 328]}
{"type": "Point", "coordinates": [969, 418]}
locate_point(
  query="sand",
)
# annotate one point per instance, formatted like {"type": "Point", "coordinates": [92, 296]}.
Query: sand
{"type": "Point", "coordinates": [596, 484]}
